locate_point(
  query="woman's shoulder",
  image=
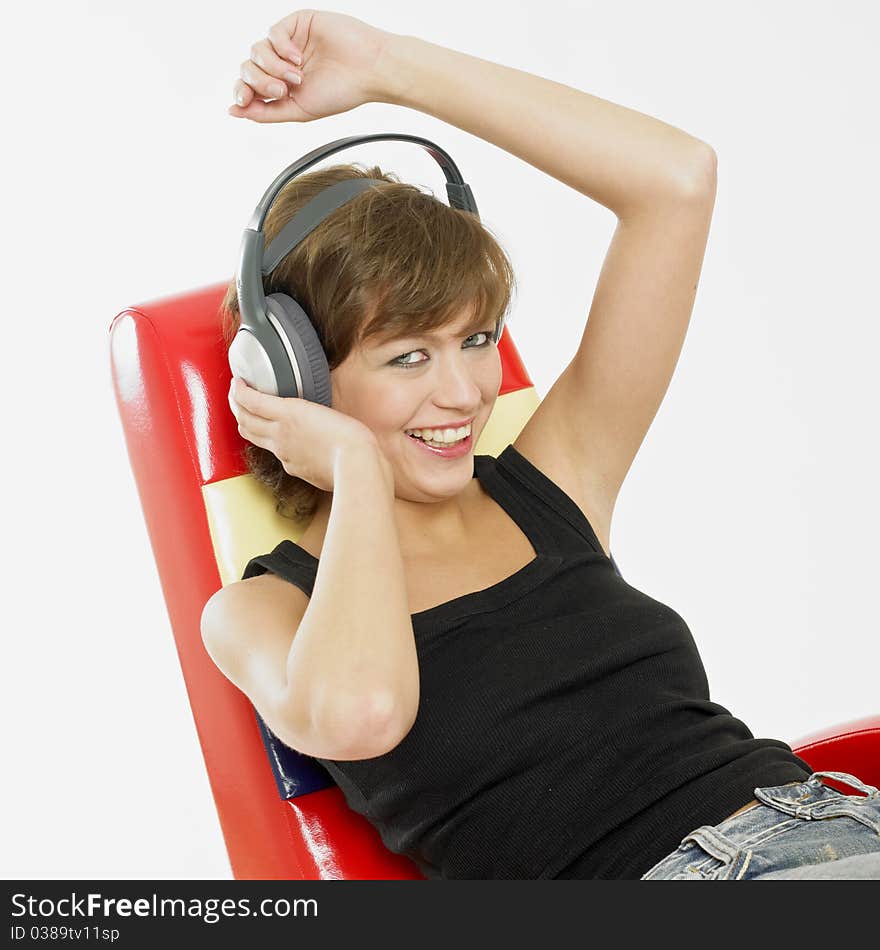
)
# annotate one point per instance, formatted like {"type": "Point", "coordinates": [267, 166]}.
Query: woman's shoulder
{"type": "Point", "coordinates": [267, 590]}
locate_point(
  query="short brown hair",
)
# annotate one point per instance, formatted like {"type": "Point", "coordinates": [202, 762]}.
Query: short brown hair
{"type": "Point", "coordinates": [391, 262]}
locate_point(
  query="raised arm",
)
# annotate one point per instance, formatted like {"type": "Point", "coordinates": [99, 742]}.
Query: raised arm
{"type": "Point", "coordinates": [617, 156]}
{"type": "Point", "coordinates": [659, 181]}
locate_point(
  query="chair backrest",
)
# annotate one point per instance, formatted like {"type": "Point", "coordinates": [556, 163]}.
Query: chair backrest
{"type": "Point", "coordinates": [281, 814]}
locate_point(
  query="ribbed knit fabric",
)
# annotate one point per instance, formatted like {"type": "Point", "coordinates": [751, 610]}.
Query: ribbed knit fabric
{"type": "Point", "coordinates": [564, 727]}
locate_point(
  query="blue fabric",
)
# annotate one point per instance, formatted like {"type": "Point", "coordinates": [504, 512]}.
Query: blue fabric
{"type": "Point", "coordinates": [797, 831]}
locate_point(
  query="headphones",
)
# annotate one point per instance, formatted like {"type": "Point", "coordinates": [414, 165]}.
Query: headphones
{"type": "Point", "coordinates": [276, 349]}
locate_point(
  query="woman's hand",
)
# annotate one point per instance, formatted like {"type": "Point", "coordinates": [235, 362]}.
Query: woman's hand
{"type": "Point", "coordinates": [339, 55]}
{"type": "Point", "coordinates": [304, 436]}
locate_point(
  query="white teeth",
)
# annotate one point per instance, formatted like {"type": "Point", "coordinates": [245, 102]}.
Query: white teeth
{"type": "Point", "coordinates": [441, 435]}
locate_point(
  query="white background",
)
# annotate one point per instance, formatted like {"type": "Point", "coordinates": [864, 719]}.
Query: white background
{"type": "Point", "coordinates": [751, 507]}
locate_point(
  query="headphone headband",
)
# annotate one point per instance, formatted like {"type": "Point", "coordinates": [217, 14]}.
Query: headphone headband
{"type": "Point", "coordinates": [456, 188]}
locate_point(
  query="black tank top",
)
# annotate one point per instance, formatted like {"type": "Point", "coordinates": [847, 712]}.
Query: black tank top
{"type": "Point", "coordinates": [564, 727]}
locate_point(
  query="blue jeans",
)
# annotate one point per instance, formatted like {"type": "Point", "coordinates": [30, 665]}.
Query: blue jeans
{"type": "Point", "coordinates": [798, 831]}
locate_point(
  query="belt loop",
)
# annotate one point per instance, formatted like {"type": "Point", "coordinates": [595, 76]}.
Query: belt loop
{"type": "Point", "coordinates": [846, 779]}
{"type": "Point", "coordinates": [711, 840]}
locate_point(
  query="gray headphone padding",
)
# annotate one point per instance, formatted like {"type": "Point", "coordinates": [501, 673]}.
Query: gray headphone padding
{"type": "Point", "coordinates": [310, 216]}
{"type": "Point", "coordinates": [310, 356]}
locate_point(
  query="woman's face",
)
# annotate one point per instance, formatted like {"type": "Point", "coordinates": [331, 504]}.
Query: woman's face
{"type": "Point", "coordinates": [422, 382]}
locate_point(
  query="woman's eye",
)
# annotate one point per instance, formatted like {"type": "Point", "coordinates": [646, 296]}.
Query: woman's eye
{"type": "Point", "coordinates": [402, 361]}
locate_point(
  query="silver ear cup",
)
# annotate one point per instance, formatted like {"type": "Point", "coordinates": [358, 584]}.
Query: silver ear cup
{"type": "Point", "coordinates": [307, 358]}
{"type": "Point", "coordinates": [250, 362]}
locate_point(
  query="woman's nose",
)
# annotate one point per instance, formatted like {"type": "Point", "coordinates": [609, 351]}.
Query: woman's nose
{"type": "Point", "coordinates": [456, 384]}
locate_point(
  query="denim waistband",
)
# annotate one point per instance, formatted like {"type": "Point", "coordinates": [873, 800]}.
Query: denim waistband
{"type": "Point", "coordinates": [779, 808]}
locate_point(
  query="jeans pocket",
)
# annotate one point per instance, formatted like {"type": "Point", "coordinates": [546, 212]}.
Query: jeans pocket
{"type": "Point", "coordinates": [811, 800]}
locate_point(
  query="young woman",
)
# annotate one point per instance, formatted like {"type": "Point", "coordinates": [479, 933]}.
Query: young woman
{"type": "Point", "coordinates": [450, 637]}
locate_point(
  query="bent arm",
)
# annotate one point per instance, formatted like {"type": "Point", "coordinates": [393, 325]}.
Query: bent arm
{"type": "Point", "coordinates": [335, 675]}
{"type": "Point", "coordinates": [355, 647]}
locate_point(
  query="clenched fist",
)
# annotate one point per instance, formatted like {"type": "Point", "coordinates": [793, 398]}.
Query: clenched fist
{"type": "Point", "coordinates": [313, 63]}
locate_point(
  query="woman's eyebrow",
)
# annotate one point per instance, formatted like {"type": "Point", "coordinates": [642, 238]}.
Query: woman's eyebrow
{"type": "Point", "coordinates": [433, 335]}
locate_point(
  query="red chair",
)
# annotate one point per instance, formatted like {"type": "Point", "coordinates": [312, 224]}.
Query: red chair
{"type": "Point", "coordinates": [282, 815]}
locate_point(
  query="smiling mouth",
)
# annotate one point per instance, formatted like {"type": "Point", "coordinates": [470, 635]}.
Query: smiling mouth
{"type": "Point", "coordinates": [448, 450]}
{"type": "Point", "coordinates": [467, 431]}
